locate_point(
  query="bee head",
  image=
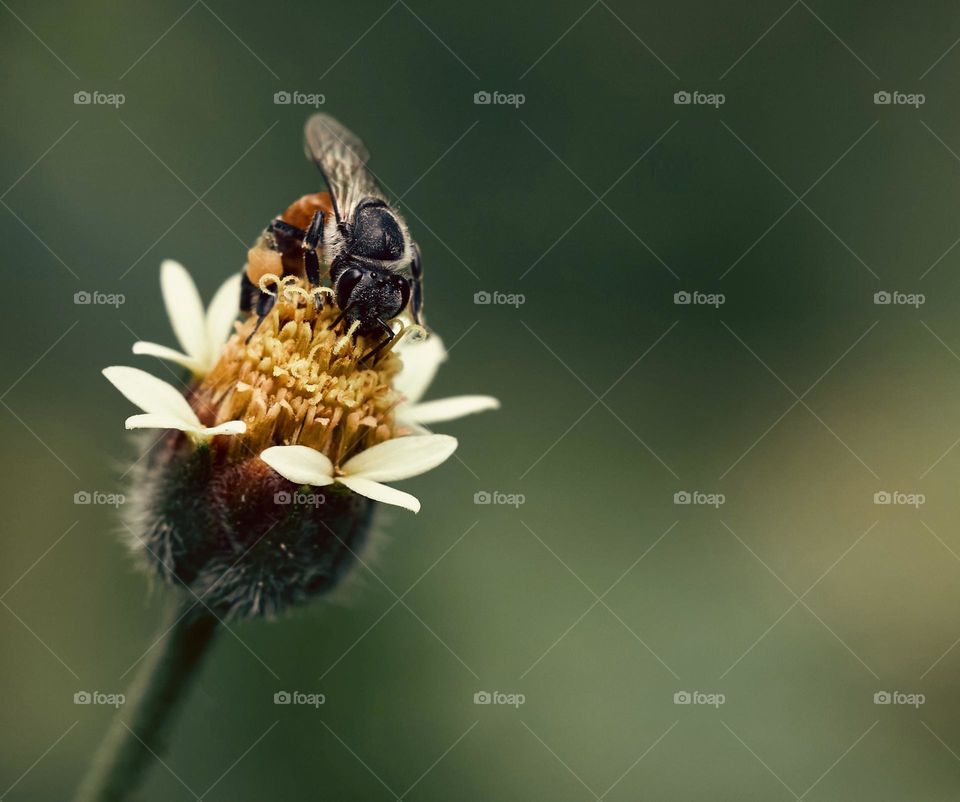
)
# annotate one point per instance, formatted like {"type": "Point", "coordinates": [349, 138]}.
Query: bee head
{"type": "Point", "coordinates": [367, 292]}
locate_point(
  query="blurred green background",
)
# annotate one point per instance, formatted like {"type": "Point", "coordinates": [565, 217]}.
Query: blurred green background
{"type": "Point", "coordinates": [798, 398]}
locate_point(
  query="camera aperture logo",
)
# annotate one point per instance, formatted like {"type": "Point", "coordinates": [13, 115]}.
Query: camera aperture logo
{"type": "Point", "coordinates": [499, 698]}
{"type": "Point", "coordinates": [99, 498]}
{"type": "Point", "coordinates": [697, 298]}
{"type": "Point", "coordinates": [885, 98]}
{"type": "Point", "coordinates": [696, 98]}
{"type": "Point", "coordinates": [114, 700]}
{"type": "Point", "coordinates": [294, 98]}
{"type": "Point", "coordinates": [495, 98]}
{"type": "Point", "coordinates": [898, 498]}
{"type": "Point", "coordinates": [95, 98]}
{"type": "Point", "coordinates": [897, 298]}
{"type": "Point", "coordinates": [299, 498]}
{"type": "Point", "coordinates": [698, 498]}
{"type": "Point", "coordinates": [699, 698]}
{"type": "Point", "coordinates": [499, 499]}
{"type": "Point", "coordinates": [313, 700]}
{"type": "Point", "coordinates": [97, 298]}
{"type": "Point", "coordinates": [913, 700]}
{"type": "Point", "coordinates": [496, 298]}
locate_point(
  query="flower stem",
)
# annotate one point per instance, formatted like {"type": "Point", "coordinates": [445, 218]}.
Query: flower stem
{"type": "Point", "coordinates": [136, 736]}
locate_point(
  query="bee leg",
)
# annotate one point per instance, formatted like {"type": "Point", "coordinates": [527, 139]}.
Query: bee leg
{"type": "Point", "coordinates": [416, 271]}
{"type": "Point", "coordinates": [264, 306]}
{"type": "Point", "coordinates": [312, 239]}
{"type": "Point", "coordinates": [382, 344]}
{"type": "Point", "coordinates": [286, 234]}
{"type": "Point", "coordinates": [340, 317]}
{"type": "Point", "coordinates": [249, 293]}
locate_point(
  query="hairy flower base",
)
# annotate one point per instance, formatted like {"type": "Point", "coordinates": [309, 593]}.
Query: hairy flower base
{"type": "Point", "coordinates": [299, 382]}
{"type": "Point", "coordinates": [241, 537]}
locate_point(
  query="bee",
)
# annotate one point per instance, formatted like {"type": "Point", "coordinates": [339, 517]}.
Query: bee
{"type": "Point", "coordinates": [351, 231]}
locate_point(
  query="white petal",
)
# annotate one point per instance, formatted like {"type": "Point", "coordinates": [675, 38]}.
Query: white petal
{"type": "Point", "coordinates": [444, 409]}
{"type": "Point", "coordinates": [151, 394]}
{"type": "Point", "coordinates": [379, 492]}
{"type": "Point", "coordinates": [151, 420]}
{"type": "Point", "coordinates": [220, 316]}
{"type": "Point", "coordinates": [401, 457]}
{"type": "Point", "coordinates": [227, 427]}
{"type": "Point", "coordinates": [184, 308]}
{"type": "Point", "coordinates": [421, 360]}
{"type": "Point", "coordinates": [299, 464]}
{"type": "Point", "coordinates": [171, 355]}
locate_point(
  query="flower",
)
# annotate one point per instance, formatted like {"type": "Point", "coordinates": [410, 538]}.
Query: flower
{"type": "Point", "coordinates": [165, 408]}
{"type": "Point", "coordinates": [421, 360]}
{"type": "Point", "coordinates": [218, 503]}
{"type": "Point", "coordinates": [201, 335]}
{"type": "Point", "coordinates": [390, 461]}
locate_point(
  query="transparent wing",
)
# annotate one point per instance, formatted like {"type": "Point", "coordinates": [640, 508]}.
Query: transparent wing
{"type": "Point", "coordinates": [341, 157]}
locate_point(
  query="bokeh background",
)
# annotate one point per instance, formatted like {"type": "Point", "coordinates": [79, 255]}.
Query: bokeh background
{"type": "Point", "coordinates": [599, 598]}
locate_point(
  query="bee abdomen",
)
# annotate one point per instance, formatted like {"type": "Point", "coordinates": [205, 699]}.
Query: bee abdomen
{"type": "Point", "coordinates": [301, 211]}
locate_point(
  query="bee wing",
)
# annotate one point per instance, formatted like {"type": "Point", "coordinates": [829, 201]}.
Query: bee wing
{"type": "Point", "coordinates": [341, 158]}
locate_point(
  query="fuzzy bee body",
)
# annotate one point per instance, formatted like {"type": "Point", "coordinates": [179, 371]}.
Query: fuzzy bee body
{"type": "Point", "coordinates": [372, 262]}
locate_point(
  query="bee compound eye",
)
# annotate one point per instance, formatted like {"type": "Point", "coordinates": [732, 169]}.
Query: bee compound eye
{"type": "Point", "coordinates": [346, 284]}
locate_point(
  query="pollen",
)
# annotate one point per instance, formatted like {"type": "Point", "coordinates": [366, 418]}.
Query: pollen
{"type": "Point", "coordinates": [298, 382]}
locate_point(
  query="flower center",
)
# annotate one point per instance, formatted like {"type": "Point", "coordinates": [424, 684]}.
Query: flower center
{"type": "Point", "coordinates": [298, 382]}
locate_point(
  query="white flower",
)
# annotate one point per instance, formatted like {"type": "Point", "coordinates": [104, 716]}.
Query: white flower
{"type": "Point", "coordinates": [390, 461]}
{"type": "Point", "coordinates": [163, 405]}
{"type": "Point", "coordinates": [201, 334]}
{"type": "Point", "coordinates": [421, 360]}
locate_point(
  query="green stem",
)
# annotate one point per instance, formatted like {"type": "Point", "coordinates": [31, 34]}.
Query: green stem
{"type": "Point", "coordinates": [136, 736]}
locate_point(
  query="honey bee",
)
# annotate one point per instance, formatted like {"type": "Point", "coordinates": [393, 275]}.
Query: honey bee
{"type": "Point", "coordinates": [350, 232]}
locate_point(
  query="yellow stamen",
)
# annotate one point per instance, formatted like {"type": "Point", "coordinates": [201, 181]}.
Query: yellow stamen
{"type": "Point", "coordinates": [298, 382]}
